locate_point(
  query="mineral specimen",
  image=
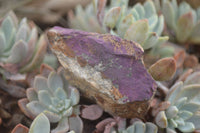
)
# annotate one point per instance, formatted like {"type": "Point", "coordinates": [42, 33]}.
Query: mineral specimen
{"type": "Point", "coordinates": [106, 69]}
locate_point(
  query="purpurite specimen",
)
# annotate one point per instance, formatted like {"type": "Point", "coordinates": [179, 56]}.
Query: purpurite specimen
{"type": "Point", "coordinates": [106, 69]}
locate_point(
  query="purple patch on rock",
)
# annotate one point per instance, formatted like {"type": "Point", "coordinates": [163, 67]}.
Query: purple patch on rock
{"type": "Point", "coordinates": [119, 60]}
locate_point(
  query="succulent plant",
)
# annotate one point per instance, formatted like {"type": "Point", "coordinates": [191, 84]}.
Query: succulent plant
{"type": "Point", "coordinates": [184, 110]}
{"type": "Point", "coordinates": [20, 49]}
{"type": "Point", "coordinates": [56, 99]}
{"type": "Point", "coordinates": [118, 125]}
{"type": "Point", "coordinates": [182, 20]}
{"type": "Point", "coordinates": [40, 124]}
{"type": "Point", "coordinates": [140, 23]}
{"type": "Point", "coordinates": [85, 19]}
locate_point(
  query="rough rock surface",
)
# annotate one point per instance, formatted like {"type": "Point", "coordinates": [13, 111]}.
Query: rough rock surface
{"type": "Point", "coordinates": [106, 69]}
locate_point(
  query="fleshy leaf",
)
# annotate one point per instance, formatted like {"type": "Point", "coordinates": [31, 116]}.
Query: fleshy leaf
{"type": "Point", "coordinates": [185, 114]}
{"type": "Point", "coordinates": [40, 83]}
{"type": "Point", "coordinates": [44, 97]}
{"type": "Point", "coordinates": [171, 112]}
{"type": "Point", "coordinates": [138, 31]}
{"type": "Point", "coordinates": [190, 91]}
{"type": "Point", "coordinates": [112, 17]}
{"type": "Point", "coordinates": [60, 93]}
{"type": "Point", "coordinates": [63, 126]}
{"type": "Point", "coordinates": [35, 107]}
{"type": "Point", "coordinates": [31, 94]}
{"type": "Point", "coordinates": [184, 27]}
{"type": "Point", "coordinates": [193, 79]}
{"type": "Point", "coordinates": [149, 8]}
{"type": "Point", "coordinates": [19, 128]}
{"type": "Point", "coordinates": [76, 124]}
{"type": "Point", "coordinates": [150, 41]}
{"type": "Point", "coordinates": [53, 117]}
{"type": "Point", "coordinates": [174, 91]}
{"type": "Point", "coordinates": [38, 56]}
{"type": "Point", "coordinates": [151, 128]}
{"type": "Point", "coordinates": [22, 33]}
{"type": "Point", "coordinates": [54, 81]}
{"type": "Point", "coordinates": [164, 69]}
{"type": "Point", "coordinates": [2, 42]}
{"type": "Point", "coordinates": [125, 23]}
{"type": "Point", "coordinates": [18, 52]}
{"type": "Point", "coordinates": [139, 127]}
{"type": "Point", "coordinates": [75, 96]}
{"type": "Point", "coordinates": [188, 127]}
{"type": "Point", "coordinates": [91, 112]}
{"type": "Point", "coordinates": [169, 14]}
{"type": "Point", "coordinates": [40, 124]}
{"type": "Point", "coordinates": [161, 119]}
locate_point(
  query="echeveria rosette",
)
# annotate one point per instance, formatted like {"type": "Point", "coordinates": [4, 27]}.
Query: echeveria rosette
{"type": "Point", "coordinates": [20, 49]}
{"type": "Point", "coordinates": [182, 20]}
{"type": "Point", "coordinates": [57, 100]}
{"type": "Point", "coordinates": [184, 110]}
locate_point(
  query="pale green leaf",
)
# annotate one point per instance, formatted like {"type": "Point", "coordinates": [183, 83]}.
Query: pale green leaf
{"type": "Point", "coordinates": [138, 31]}
{"type": "Point", "coordinates": [18, 52]}
{"type": "Point", "coordinates": [40, 124]}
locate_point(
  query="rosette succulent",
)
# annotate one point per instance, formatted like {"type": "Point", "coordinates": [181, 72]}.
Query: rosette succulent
{"type": "Point", "coordinates": [20, 49]}
{"type": "Point", "coordinates": [184, 110]}
{"type": "Point", "coordinates": [182, 20]}
{"type": "Point", "coordinates": [139, 23]}
{"type": "Point", "coordinates": [56, 99]}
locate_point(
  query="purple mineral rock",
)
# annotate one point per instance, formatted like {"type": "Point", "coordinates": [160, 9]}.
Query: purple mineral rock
{"type": "Point", "coordinates": [106, 68]}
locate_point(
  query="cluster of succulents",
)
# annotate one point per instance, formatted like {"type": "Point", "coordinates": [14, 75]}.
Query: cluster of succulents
{"type": "Point", "coordinates": [139, 23]}
{"type": "Point", "coordinates": [20, 49]}
{"type": "Point", "coordinates": [89, 60]}
{"type": "Point", "coordinates": [182, 20]}
{"type": "Point", "coordinates": [183, 112]}
{"type": "Point", "coordinates": [56, 99]}
{"type": "Point", "coordinates": [119, 125]}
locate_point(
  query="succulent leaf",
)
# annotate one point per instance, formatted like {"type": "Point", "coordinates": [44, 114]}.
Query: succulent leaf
{"type": "Point", "coordinates": [2, 42]}
{"type": "Point", "coordinates": [63, 126]}
{"type": "Point", "coordinates": [40, 83]}
{"type": "Point", "coordinates": [138, 31]}
{"type": "Point", "coordinates": [184, 27]}
{"type": "Point", "coordinates": [31, 94]}
{"type": "Point", "coordinates": [35, 107]}
{"type": "Point", "coordinates": [112, 17]}
{"type": "Point", "coordinates": [163, 69]}
{"type": "Point", "coordinates": [40, 124]}
{"type": "Point", "coordinates": [76, 124]}
{"type": "Point", "coordinates": [18, 52]}
{"type": "Point", "coordinates": [54, 81]}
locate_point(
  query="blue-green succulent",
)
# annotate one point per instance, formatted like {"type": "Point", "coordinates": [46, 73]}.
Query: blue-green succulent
{"type": "Point", "coordinates": [184, 110]}
{"type": "Point", "coordinates": [57, 100]}
{"type": "Point", "coordinates": [20, 49]}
